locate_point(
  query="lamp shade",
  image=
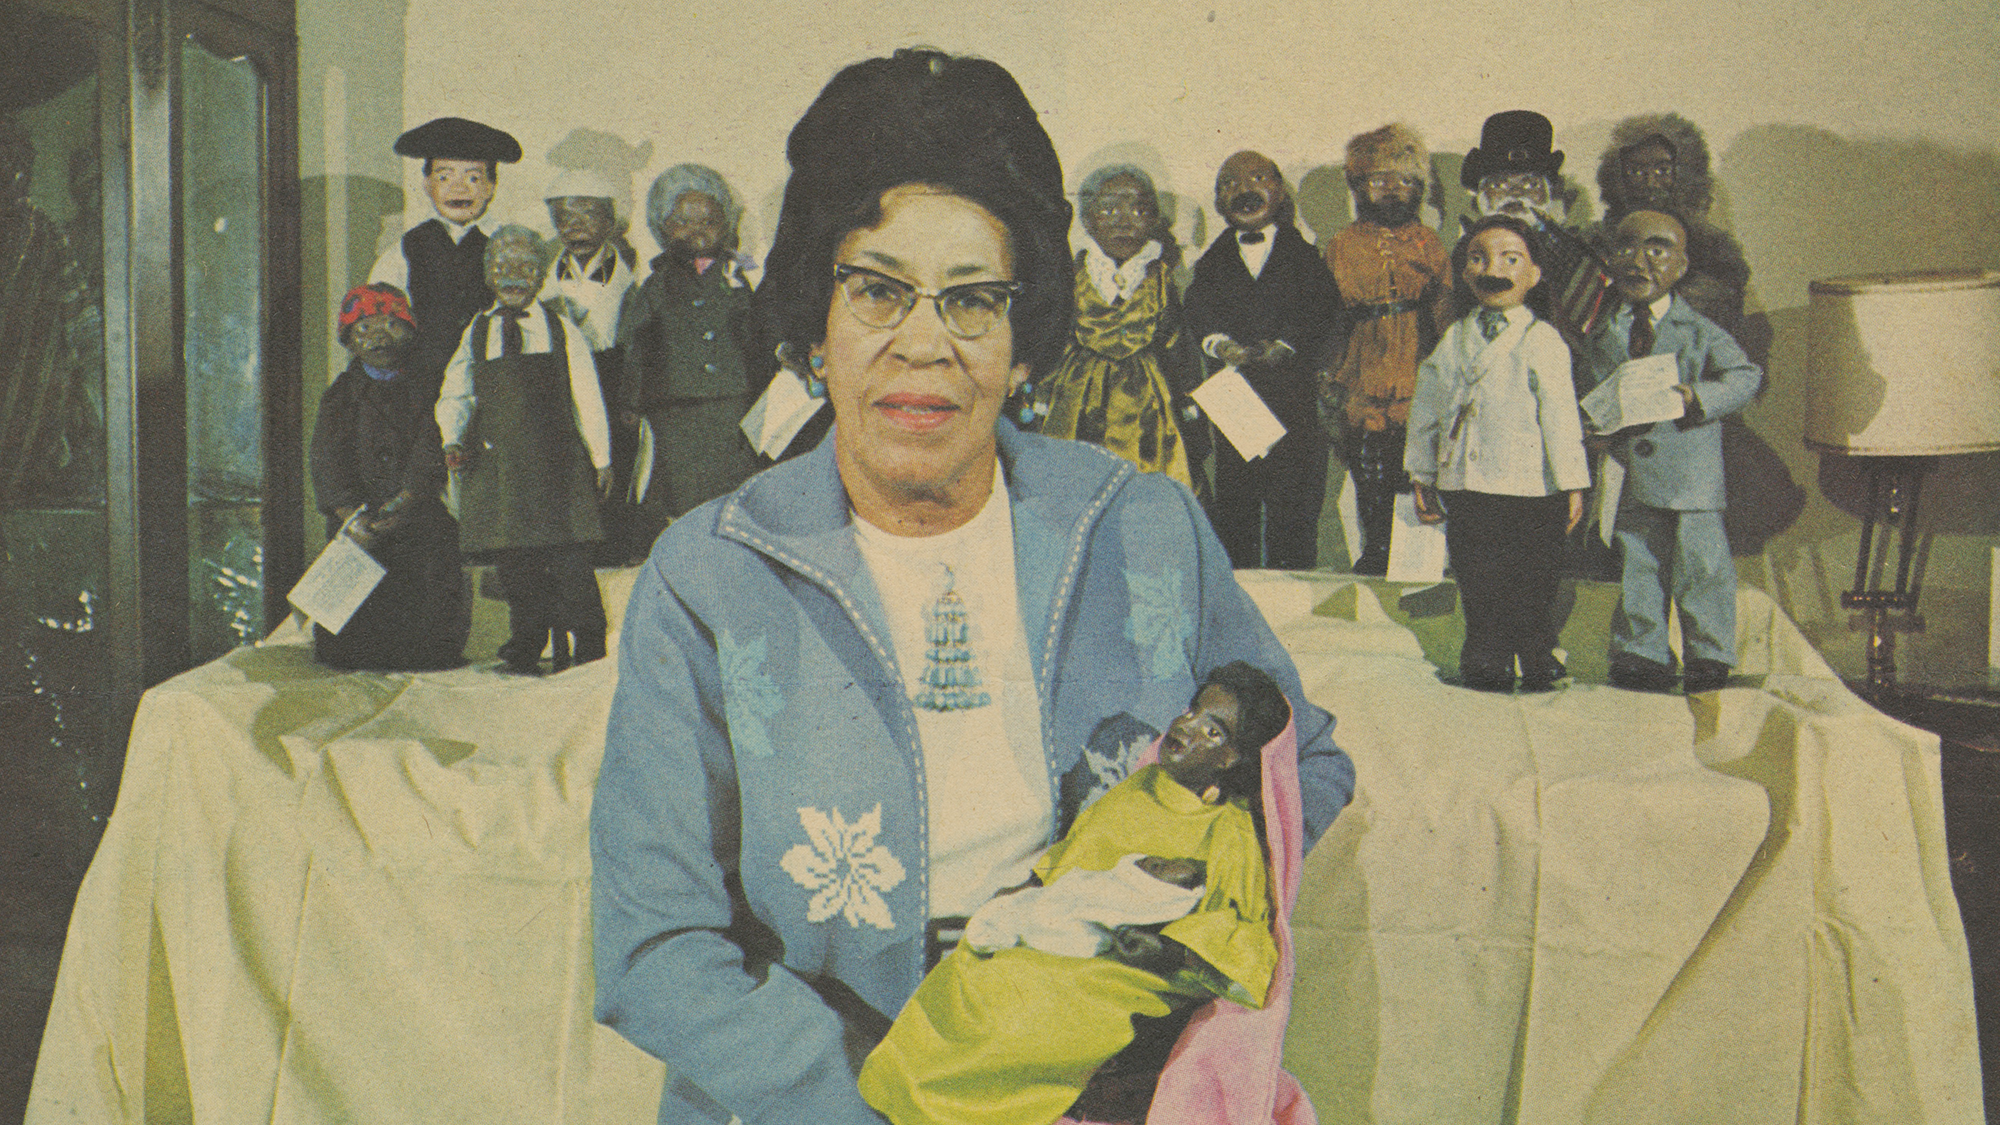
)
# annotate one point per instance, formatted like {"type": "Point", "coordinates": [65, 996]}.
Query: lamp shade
{"type": "Point", "coordinates": [1904, 364]}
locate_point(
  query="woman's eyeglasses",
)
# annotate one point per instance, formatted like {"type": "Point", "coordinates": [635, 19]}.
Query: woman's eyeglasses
{"type": "Point", "coordinates": [968, 311]}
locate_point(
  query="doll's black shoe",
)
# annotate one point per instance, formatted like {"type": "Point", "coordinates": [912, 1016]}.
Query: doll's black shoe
{"type": "Point", "coordinates": [1373, 563]}
{"type": "Point", "coordinates": [1636, 673]}
{"type": "Point", "coordinates": [1487, 679]}
{"type": "Point", "coordinates": [1704, 675]}
{"type": "Point", "coordinates": [1542, 675]}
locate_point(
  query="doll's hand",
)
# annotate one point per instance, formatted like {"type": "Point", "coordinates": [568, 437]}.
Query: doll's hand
{"type": "Point", "coordinates": [1575, 510]}
{"type": "Point", "coordinates": [1143, 949]}
{"type": "Point", "coordinates": [1429, 508]}
{"type": "Point", "coordinates": [394, 513]}
{"type": "Point", "coordinates": [1187, 874]}
{"type": "Point", "coordinates": [1234, 354]}
{"type": "Point", "coordinates": [360, 530]}
{"type": "Point", "coordinates": [1271, 352]}
{"type": "Point", "coordinates": [456, 456]}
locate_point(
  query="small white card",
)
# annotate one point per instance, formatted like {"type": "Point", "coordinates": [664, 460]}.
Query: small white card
{"type": "Point", "coordinates": [642, 464]}
{"type": "Point", "coordinates": [337, 582]}
{"type": "Point", "coordinates": [1233, 405]}
{"type": "Point", "coordinates": [1610, 484]}
{"type": "Point", "coordinates": [1416, 548]}
{"type": "Point", "coordinates": [779, 414]}
{"type": "Point", "coordinates": [1639, 393]}
{"type": "Point", "coordinates": [1349, 507]}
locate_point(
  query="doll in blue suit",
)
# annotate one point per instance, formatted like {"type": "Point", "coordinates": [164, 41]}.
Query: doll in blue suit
{"type": "Point", "coordinates": [1669, 519]}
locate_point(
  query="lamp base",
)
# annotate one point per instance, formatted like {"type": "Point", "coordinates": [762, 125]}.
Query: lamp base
{"type": "Point", "coordinates": [1894, 483]}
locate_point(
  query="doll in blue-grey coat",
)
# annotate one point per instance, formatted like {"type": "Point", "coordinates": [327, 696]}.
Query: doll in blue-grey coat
{"type": "Point", "coordinates": [1669, 519]}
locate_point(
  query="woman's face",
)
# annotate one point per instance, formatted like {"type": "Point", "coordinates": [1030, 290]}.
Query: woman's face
{"type": "Point", "coordinates": [915, 404]}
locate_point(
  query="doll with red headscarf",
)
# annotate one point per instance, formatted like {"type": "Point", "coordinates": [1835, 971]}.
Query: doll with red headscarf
{"type": "Point", "coordinates": [378, 471]}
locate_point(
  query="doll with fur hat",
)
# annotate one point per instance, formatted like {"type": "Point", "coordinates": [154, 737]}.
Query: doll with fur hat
{"type": "Point", "coordinates": [1659, 162]}
{"type": "Point", "coordinates": [1395, 291]}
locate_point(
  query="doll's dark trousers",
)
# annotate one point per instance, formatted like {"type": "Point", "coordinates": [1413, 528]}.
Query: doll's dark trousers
{"type": "Point", "coordinates": [1506, 553]}
{"type": "Point", "coordinates": [551, 590]}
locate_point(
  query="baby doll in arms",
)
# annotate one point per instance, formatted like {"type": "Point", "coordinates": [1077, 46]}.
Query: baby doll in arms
{"type": "Point", "coordinates": [1156, 901]}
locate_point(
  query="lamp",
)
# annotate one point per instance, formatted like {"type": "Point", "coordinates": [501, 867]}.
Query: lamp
{"type": "Point", "coordinates": [1900, 370]}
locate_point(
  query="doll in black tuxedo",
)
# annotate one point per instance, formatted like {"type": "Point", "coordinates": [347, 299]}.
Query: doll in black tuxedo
{"type": "Point", "coordinates": [1263, 302]}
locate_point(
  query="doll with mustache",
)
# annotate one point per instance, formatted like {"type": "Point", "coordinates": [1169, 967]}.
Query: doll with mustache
{"type": "Point", "coordinates": [1395, 294]}
{"type": "Point", "coordinates": [1516, 170]}
{"type": "Point", "coordinates": [1496, 450]}
{"type": "Point", "coordinates": [1263, 302]}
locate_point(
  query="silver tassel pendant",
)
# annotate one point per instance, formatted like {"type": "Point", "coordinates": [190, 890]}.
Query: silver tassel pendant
{"type": "Point", "coordinates": [950, 679]}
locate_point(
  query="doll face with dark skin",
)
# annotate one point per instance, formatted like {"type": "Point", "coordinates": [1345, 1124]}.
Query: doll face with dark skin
{"type": "Point", "coordinates": [381, 340]}
{"type": "Point", "coordinates": [1524, 195]}
{"type": "Point", "coordinates": [1122, 218]}
{"type": "Point", "coordinates": [461, 190]}
{"type": "Point", "coordinates": [583, 222]}
{"type": "Point", "coordinates": [1499, 268]}
{"type": "Point", "coordinates": [513, 273]}
{"type": "Point", "coordinates": [1201, 743]}
{"type": "Point", "coordinates": [1647, 173]}
{"type": "Point", "coordinates": [695, 227]}
{"type": "Point", "coordinates": [1648, 256]}
{"type": "Point", "coordinates": [1388, 198]}
{"type": "Point", "coordinates": [1186, 874]}
{"type": "Point", "coordinates": [1249, 191]}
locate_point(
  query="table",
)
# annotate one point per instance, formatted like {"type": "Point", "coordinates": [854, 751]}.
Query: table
{"type": "Point", "coordinates": [335, 898]}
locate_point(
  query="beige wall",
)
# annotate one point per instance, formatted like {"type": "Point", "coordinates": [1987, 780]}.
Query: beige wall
{"type": "Point", "coordinates": [1854, 137]}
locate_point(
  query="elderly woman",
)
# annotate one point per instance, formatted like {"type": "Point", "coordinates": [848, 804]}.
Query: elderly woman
{"type": "Point", "coordinates": [1124, 379]}
{"type": "Point", "coordinates": [864, 691]}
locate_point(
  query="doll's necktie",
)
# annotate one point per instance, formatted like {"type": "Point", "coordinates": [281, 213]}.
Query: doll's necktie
{"type": "Point", "coordinates": [1642, 332]}
{"type": "Point", "coordinates": [510, 331]}
{"type": "Point", "coordinates": [1492, 322]}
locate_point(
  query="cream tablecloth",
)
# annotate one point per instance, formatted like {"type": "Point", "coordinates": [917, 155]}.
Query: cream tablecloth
{"type": "Point", "coordinates": [364, 898]}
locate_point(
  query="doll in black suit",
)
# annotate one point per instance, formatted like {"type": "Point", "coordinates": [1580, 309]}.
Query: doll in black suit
{"type": "Point", "coordinates": [1263, 302]}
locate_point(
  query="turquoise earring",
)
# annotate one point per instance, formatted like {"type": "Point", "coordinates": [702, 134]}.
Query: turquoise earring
{"type": "Point", "coordinates": [815, 382]}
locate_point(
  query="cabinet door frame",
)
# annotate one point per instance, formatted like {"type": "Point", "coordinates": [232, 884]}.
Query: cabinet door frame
{"type": "Point", "coordinates": [148, 603]}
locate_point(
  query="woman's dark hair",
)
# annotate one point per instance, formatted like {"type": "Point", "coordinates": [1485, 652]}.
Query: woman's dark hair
{"type": "Point", "coordinates": [1463, 299]}
{"type": "Point", "coordinates": [920, 117]}
{"type": "Point", "coordinates": [1261, 714]}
